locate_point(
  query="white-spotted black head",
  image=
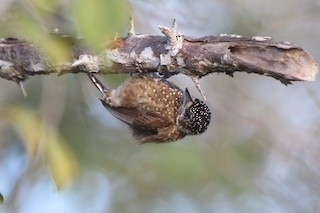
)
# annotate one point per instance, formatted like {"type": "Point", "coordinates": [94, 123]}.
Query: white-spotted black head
{"type": "Point", "coordinates": [194, 117]}
{"type": "Point", "coordinates": [199, 117]}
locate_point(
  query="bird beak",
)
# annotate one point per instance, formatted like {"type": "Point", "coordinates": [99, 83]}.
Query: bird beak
{"type": "Point", "coordinates": [183, 110]}
{"type": "Point", "coordinates": [187, 99]}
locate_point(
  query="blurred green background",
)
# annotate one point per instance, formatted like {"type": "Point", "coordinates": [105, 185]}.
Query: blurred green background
{"type": "Point", "coordinates": [61, 151]}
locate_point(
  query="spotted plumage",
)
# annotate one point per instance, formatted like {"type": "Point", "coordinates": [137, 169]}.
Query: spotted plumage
{"type": "Point", "coordinates": [155, 109]}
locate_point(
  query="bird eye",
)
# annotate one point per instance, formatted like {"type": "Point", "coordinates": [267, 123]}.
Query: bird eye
{"type": "Point", "coordinates": [158, 75]}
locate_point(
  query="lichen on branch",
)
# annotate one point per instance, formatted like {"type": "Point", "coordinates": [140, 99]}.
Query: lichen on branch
{"type": "Point", "coordinates": [169, 54]}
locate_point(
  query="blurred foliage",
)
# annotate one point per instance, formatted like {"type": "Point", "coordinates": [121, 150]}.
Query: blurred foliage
{"type": "Point", "coordinates": [101, 20]}
{"type": "Point", "coordinates": [33, 20]}
{"type": "Point", "coordinates": [41, 140]}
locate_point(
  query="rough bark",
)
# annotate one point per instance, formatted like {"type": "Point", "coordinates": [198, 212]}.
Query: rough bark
{"type": "Point", "coordinates": [169, 54]}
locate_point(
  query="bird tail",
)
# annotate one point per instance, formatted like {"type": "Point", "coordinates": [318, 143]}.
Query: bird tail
{"type": "Point", "coordinates": [104, 90]}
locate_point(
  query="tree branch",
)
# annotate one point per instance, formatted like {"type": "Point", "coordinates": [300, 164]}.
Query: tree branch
{"type": "Point", "coordinates": [168, 55]}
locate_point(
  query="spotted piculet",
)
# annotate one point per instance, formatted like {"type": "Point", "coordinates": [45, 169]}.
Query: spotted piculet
{"type": "Point", "coordinates": [155, 109]}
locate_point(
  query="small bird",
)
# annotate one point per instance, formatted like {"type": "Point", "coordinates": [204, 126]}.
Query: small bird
{"type": "Point", "coordinates": [155, 109]}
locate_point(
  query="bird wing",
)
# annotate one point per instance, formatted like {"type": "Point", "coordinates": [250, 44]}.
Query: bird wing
{"type": "Point", "coordinates": [136, 119]}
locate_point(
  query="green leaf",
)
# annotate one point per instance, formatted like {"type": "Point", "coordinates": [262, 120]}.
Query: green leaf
{"type": "Point", "coordinates": [99, 20]}
{"type": "Point", "coordinates": [59, 158]}
{"type": "Point", "coordinates": [42, 140]}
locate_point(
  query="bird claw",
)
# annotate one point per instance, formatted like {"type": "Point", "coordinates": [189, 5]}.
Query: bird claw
{"type": "Point", "coordinates": [21, 85]}
{"type": "Point", "coordinates": [197, 84]}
